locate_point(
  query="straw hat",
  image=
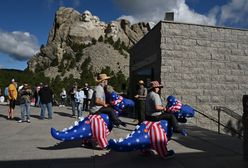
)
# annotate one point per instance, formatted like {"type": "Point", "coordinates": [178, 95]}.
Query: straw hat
{"type": "Point", "coordinates": [141, 82]}
{"type": "Point", "coordinates": [102, 77]}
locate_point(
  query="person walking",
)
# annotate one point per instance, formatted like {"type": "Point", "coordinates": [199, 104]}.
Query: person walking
{"type": "Point", "coordinates": [25, 100]}
{"type": "Point", "coordinates": [46, 99]}
{"type": "Point", "coordinates": [12, 96]}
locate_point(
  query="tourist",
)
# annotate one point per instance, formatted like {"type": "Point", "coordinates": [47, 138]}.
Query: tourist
{"type": "Point", "coordinates": [46, 99]}
{"type": "Point", "coordinates": [155, 111]}
{"type": "Point", "coordinates": [25, 100]}
{"type": "Point", "coordinates": [63, 97]}
{"type": "Point", "coordinates": [72, 98]}
{"type": "Point", "coordinates": [98, 103]}
{"type": "Point", "coordinates": [12, 96]}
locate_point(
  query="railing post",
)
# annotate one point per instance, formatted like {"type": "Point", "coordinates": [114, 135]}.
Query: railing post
{"type": "Point", "coordinates": [218, 120]}
{"type": "Point", "coordinates": [245, 126]}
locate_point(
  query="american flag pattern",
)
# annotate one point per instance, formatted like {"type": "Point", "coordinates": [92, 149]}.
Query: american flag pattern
{"type": "Point", "coordinates": [175, 108]}
{"type": "Point", "coordinates": [99, 130]}
{"type": "Point", "coordinates": [117, 99]}
{"type": "Point", "coordinates": [158, 137]}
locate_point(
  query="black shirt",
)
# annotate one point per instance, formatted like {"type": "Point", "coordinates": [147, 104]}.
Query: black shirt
{"type": "Point", "coordinates": [46, 95]}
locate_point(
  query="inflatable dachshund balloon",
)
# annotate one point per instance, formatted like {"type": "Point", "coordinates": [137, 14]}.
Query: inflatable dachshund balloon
{"type": "Point", "coordinates": [96, 127]}
{"type": "Point", "coordinates": [153, 135]}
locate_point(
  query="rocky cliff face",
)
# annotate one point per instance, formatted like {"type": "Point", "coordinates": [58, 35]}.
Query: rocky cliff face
{"type": "Point", "coordinates": [105, 44]}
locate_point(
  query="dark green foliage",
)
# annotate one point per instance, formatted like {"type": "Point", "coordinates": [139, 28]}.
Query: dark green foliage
{"type": "Point", "coordinates": [117, 44]}
{"type": "Point", "coordinates": [72, 63]}
{"type": "Point", "coordinates": [77, 47]}
{"type": "Point", "coordinates": [66, 56]}
{"type": "Point", "coordinates": [100, 39]}
{"type": "Point", "coordinates": [117, 80]}
{"type": "Point", "coordinates": [21, 77]}
{"type": "Point", "coordinates": [109, 40]}
{"type": "Point", "coordinates": [54, 62]}
{"type": "Point", "coordinates": [87, 74]}
{"type": "Point", "coordinates": [93, 41]}
{"type": "Point", "coordinates": [78, 56]}
{"type": "Point", "coordinates": [38, 68]}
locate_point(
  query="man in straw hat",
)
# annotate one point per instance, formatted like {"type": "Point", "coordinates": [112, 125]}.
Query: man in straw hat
{"type": "Point", "coordinates": [98, 103]}
{"type": "Point", "coordinates": [155, 111]}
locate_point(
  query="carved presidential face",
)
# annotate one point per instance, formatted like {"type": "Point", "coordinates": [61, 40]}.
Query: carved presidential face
{"type": "Point", "coordinates": [86, 16]}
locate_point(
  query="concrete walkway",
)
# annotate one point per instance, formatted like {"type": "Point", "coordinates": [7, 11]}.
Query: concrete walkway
{"type": "Point", "coordinates": [25, 145]}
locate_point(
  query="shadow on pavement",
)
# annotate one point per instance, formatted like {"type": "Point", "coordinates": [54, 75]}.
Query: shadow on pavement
{"type": "Point", "coordinates": [4, 116]}
{"type": "Point", "coordinates": [69, 144]}
{"type": "Point", "coordinates": [63, 114]}
{"type": "Point", "coordinates": [63, 145]}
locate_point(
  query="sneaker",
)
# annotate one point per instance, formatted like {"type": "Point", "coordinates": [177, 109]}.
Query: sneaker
{"type": "Point", "coordinates": [20, 121]}
{"type": "Point", "coordinates": [28, 121]}
{"type": "Point", "coordinates": [170, 154]}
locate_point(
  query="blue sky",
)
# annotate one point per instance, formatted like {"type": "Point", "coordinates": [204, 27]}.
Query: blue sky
{"type": "Point", "coordinates": [25, 24]}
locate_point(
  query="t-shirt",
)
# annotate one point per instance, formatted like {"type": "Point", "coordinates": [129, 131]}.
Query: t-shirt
{"type": "Point", "coordinates": [12, 92]}
{"type": "Point", "coordinates": [98, 93]}
{"type": "Point", "coordinates": [46, 95]}
{"type": "Point", "coordinates": [152, 100]}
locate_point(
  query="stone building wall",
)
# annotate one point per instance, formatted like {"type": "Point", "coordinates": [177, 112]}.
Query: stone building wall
{"type": "Point", "coordinates": [205, 66]}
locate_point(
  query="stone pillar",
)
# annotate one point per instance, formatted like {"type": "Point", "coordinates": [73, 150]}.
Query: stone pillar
{"type": "Point", "coordinates": [245, 126]}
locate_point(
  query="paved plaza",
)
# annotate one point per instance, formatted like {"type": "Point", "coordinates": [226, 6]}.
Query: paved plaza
{"type": "Point", "coordinates": [30, 145]}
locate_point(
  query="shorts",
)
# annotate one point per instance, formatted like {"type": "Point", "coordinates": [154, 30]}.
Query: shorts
{"type": "Point", "coordinates": [12, 103]}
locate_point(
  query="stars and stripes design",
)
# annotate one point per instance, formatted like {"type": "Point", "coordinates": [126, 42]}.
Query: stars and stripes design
{"type": "Point", "coordinates": [99, 130]}
{"type": "Point", "coordinates": [116, 99]}
{"type": "Point", "coordinates": [158, 137]}
{"type": "Point", "coordinates": [147, 135]}
{"type": "Point", "coordinates": [174, 108]}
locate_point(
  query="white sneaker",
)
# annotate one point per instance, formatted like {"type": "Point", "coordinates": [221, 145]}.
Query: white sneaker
{"type": "Point", "coordinates": [28, 121]}
{"type": "Point", "coordinates": [20, 121]}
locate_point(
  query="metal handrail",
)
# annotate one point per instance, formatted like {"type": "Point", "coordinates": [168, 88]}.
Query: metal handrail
{"type": "Point", "coordinates": [218, 120]}
{"type": "Point", "coordinates": [228, 112]}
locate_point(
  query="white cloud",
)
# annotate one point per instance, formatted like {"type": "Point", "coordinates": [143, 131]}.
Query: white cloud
{"type": "Point", "coordinates": [19, 45]}
{"type": "Point", "coordinates": [154, 11]}
{"type": "Point", "coordinates": [234, 12]}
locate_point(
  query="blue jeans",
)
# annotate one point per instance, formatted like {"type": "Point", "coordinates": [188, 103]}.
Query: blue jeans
{"type": "Point", "coordinates": [43, 110]}
{"type": "Point", "coordinates": [79, 109]}
{"type": "Point", "coordinates": [25, 111]}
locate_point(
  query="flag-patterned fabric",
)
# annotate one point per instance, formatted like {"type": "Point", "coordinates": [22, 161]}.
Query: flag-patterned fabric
{"type": "Point", "coordinates": [158, 137]}
{"type": "Point", "coordinates": [175, 108]}
{"type": "Point", "coordinates": [99, 129]}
